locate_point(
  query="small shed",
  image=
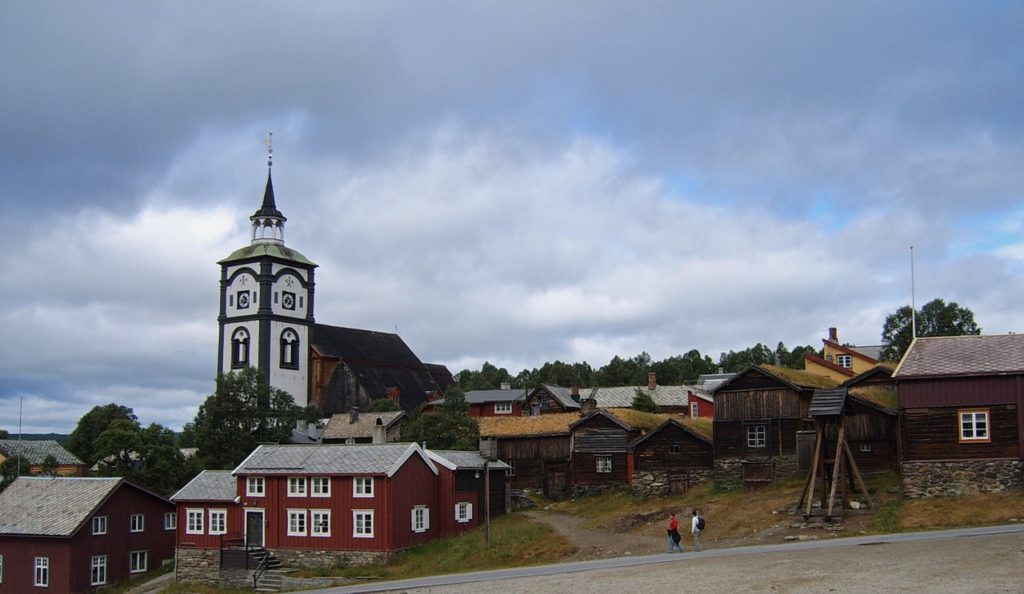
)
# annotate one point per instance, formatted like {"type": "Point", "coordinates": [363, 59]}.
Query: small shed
{"type": "Point", "coordinates": [672, 457]}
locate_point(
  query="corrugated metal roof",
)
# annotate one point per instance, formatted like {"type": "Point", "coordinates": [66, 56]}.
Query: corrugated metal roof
{"type": "Point", "coordinates": [51, 506]}
{"type": "Point", "coordinates": [209, 485]}
{"type": "Point", "coordinates": [37, 451]}
{"type": "Point", "coordinates": [963, 355]}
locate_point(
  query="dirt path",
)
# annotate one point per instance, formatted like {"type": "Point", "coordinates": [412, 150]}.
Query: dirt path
{"type": "Point", "coordinates": [601, 544]}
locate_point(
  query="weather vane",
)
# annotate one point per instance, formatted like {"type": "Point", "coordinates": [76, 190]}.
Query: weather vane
{"type": "Point", "coordinates": [269, 141]}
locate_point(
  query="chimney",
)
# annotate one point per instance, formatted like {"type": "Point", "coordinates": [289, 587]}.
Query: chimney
{"type": "Point", "coordinates": [833, 334]}
{"type": "Point", "coordinates": [575, 393]}
{"type": "Point", "coordinates": [506, 386]}
{"type": "Point", "coordinates": [353, 415]}
{"type": "Point", "coordinates": [588, 406]}
{"type": "Point", "coordinates": [652, 380]}
{"type": "Point", "coordinates": [379, 435]}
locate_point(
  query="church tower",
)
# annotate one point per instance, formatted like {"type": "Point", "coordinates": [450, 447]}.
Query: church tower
{"type": "Point", "coordinates": [266, 304]}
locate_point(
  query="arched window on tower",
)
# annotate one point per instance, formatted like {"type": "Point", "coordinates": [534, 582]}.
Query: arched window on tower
{"type": "Point", "coordinates": [289, 349]}
{"type": "Point", "coordinates": [240, 348]}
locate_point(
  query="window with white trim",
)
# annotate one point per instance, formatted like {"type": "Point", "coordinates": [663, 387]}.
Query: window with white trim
{"type": "Point", "coordinates": [255, 486]}
{"type": "Point", "coordinates": [502, 408]}
{"type": "Point", "coordinates": [974, 426]}
{"type": "Point", "coordinates": [138, 523]}
{"type": "Point", "coordinates": [218, 521]}
{"type": "Point", "coordinates": [296, 522]}
{"type": "Point", "coordinates": [362, 523]}
{"type": "Point", "coordinates": [604, 463]}
{"type": "Point", "coordinates": [757, 436]}
{"type": "Point", "coordinates": [694, 409]}
{"type": "Point", "coordinates": [362, 486]}
{"type": "Point", "coordinates": [463, 511]}
{"type": "Point", "coordinates": [844, 361]}
{"type": "Point", "coordinates": [41, 572]}
{"type": "Point", "coordinates": [99, 524]}
{"type": "Point", "coordinates": [98, 575]}
{"type": "Point", "coordinates": [138, 561]}
{"type": "Point", "coordinates": [193, 521]}
{"type": "Point", "coordinates": [170, 520]}
{"type": "Point", "coordinates": [296, 486]}
{"type": "Point", "coordinates": [865, 448]}
{"type": "Point", "coordinates": [320, 486]}
{"type": "Point", "coordinates": [321, 522]}
{"type": "Point", "coordinates": [420, 518]}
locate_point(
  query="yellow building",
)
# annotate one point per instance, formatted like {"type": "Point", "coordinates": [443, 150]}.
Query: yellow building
{"type": "Point", "coordinates": [841, 362]}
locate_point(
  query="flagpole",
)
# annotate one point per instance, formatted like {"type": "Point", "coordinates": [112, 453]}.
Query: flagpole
{"type": "Point", "coordinates": [913, 303]}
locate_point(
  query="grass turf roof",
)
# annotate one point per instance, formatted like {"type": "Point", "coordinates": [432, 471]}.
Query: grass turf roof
{"type": "Point", "coordinates": [800, 377]}
{"type": "Point", "coordinates": [549, 424]}
{"type": "Point", "coordinates": [877, 395]}
{"type": "Point", "coordinates": [702, 425]}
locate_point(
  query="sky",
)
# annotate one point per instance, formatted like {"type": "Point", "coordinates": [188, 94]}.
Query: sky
{"type": "Point", "coordinates": [512, 182]}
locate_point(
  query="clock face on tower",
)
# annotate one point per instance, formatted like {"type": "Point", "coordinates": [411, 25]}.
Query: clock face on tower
{"type": "Point", "coordinates": [288, 300]}
{"type": "Point", "coordinates": [243, 300]}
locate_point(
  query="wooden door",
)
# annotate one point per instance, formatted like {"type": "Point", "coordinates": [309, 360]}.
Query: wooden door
{"type": "Point", "coordinates": [254, 528]}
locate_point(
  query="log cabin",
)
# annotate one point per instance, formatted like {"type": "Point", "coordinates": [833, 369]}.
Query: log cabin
{"type": "Point", "coordinates": [672, 457]}
{"type": "Point", "coordinates": [536, 448]}
{"type": "Point", "coordinates": [600, 447]}
{"type": "Point", "coordinates": [760, 416]}
{"type": "Point", "coordinates": [961, 401]}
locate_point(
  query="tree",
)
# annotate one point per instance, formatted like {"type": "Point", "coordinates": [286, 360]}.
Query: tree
{"type": "Point", "coordinates": [147, 457]}
{"type": "Point", "coordinates": [91, 425]}
{"type": "Point", "coordinates": [12, 468]}
{"type": "Point", "coordinates": [383, 405]}
{"type": "Point", "coordinates": [4, 434]}
{"type": "Point", "coordinates": [734, 362]}
{"type": "Point", "coordinates": [643, 401]}
{"type": "Point", "coordinates": [448, 428]}
{"type": "Point", "coordinates": [243, 412]}
{"type": "Point", "coordinates": [936, 318]}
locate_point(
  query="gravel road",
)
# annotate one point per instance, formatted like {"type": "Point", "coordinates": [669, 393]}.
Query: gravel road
{"type": "Point", "coordinates": [993, 563]}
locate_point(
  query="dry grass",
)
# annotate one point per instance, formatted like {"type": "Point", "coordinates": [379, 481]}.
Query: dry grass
{"type": "Point", "coordinates": [957, 512]}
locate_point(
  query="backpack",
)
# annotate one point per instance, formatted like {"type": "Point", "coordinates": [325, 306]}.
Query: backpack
{"type": "Point", "coordinates": [700, 522]}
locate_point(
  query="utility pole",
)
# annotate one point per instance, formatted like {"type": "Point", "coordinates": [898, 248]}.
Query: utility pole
{"type": "Point", "coordinates": [487, 503]}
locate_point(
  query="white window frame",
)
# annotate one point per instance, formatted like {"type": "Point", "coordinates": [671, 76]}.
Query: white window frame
{"type": "Point", "coordinates": [362, 486]}
{"type": "Point", "coordinates": [359, 523]}
{"type": "Point", "coordinates": [134, 558]}
{"type": "Point", "coordinates": [463, 512]}
{"type": "Point", "coordinates": [255, 486]}
{"type": "Point", "coordinates": [298, 522]}
{"type": "Point", "coordinates": [694, 410]}
{"type": "Point", "coordinates": [137, 523]}
{"type": "Point", "coordinates": [194, 520]}
{"type": "Point", "coordinates": [41, 572]}
{"type": "Point", "coordinates": [98, 570]}
{"type": "Point", "coordinates": [757, 436]}
{"type": "Point", "coordinates": [171, 521]}
{"type": "Point", "coordinates": [320, 486]}
{"type": "Point", "coordinates": [99, 525]}
{"type": "Point", "coordinates": [218, 521]}
{"type": "Point", "coordinates": [971, 430]}
{"type": "Point", "coordinates": [296, 486]}
{"type": "Point", "coordinates": [603, 464]}
{"type": "Point", "coordinates": [502, 408]}
{"type": "Point", "coordinates": [420, 519]}
{"type": "Point", "coordinates": [844, 361]}
{"type": "Point", "coordinates": [320, 522]}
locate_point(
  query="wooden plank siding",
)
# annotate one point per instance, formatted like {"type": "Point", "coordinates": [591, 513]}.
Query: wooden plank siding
{"type": "Point", "coordinates": [760, 404]}
{"type": "Point", "coordinates": [960, 391]}
{"type": "Point", "coordinates": [584, 469]}
{"type": "Point", "coordinates": [532, 458]}
{"type": "Point", "coordinates": [934, 434]}
{"type": "Point", "coordinates": [599, 436]}
{"type": "Point", "coordinates": [655, 453]}
{"type": "Point", "coordinates": [780, 438]}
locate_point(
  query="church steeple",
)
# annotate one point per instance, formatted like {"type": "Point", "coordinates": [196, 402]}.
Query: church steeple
{"type": "Point", "coordinates": [268, 221]}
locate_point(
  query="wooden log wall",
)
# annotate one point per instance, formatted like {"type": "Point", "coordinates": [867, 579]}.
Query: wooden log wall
{"type": "Point", "coordinates": [934, 434]}
{"type": "Point", "coordinates": [757, 404]}
{"type": "Point", "coordinates": [655, 454]}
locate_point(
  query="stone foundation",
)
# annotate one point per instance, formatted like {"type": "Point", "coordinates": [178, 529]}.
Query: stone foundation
{"type": "Point", "coordinates": [728, 472]}
{"type": "Point", "coordinates": [318, 559]}
{"type": "Point", "coordinates": [656, 483]}
{"type": "Point", "coordinates": [198, 566]}
{"type": "Point", "coordinates": [960, 477]}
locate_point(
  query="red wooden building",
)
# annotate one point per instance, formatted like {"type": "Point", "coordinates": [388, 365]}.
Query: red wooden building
{"type": "Point", "coordinates": [961, 402]}
{"type": "Point", "coordinates": [78, 534]}
{"type": "Point", "coordinates": [702, 404]}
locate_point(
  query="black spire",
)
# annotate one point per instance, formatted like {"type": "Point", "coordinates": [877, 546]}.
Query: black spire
{"type": "Point", "coordinates": [269, 208]}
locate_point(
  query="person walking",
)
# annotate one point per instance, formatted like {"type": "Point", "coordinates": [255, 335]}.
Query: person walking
{"type": "Point", "coordinates": [674, 538]}
{"type": "Point", "coordinates": [696, 526]}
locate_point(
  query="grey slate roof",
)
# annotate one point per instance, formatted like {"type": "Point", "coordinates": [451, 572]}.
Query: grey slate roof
{"type": "Point", "coordinates": [873, 351]}
{"type": "Point", "coordinates": [330, 459]}
{"type": "Point", "coordinates": [963, 355]}
{"type": "Point", "coordinates": [484, 396]}
{"type": "Point", "coordinates": [52, 506]}
{"type": "Point", "coordinates": [37, 451]}
{"type": "Point", "coordinates": [454, 459]}
{"type": "Point", "coordinates": [563, 396]}
{"type": "Point", "coordinates": [709, 382]}
{"type": "Point", "coordinates": [209, 485]}
{"type": "Point", "coordinates": [827, 402]}
{"type": "Point", "coordinates": [622, 396]}
{"type": "Point", "coordinates": [340, 426]}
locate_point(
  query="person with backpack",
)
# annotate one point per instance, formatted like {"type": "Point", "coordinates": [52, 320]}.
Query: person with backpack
{"type": "Point", "coordinates": [674, 539]}
{"type": "Point", "coordinates": [696, 527]}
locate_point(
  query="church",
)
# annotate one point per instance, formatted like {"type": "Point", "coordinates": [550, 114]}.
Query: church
{"type": "Point", "coordinates": [266, 320]}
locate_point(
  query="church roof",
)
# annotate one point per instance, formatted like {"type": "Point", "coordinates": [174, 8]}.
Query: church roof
{"type": "Point", "coordinates": [269, 207]}
{"type": "Point", "coordinates": [379, 360]}
{"type": "Point", "coordinates": [274, 250]}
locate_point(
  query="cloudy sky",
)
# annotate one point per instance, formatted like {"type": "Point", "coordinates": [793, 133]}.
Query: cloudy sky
{"type": "Point", "coordinates": [513, 182]}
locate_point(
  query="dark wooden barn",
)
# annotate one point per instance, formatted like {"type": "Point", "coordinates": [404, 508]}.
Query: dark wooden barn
{"type": "Point", "coordinates": [672, 457]}
{"type": "Point", "coordinates": [600, 447]}
{"type": "Point", "coordinates": [762, 423]}
{"type": "Point", "coordinates": [961, 402]}
{"type": "Point", "coordinates": [536, 449]}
